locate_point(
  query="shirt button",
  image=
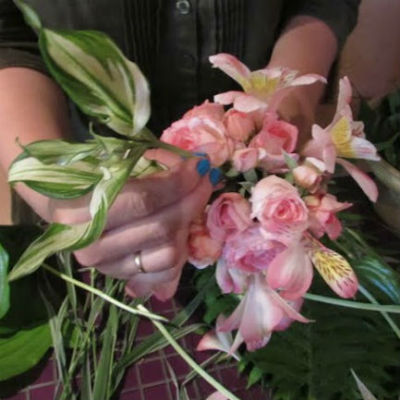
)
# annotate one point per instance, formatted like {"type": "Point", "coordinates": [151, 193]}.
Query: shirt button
{"type": "Point", "coordinates": [183, 7]}
{"type": "Point", "coordinates": [188, 61]}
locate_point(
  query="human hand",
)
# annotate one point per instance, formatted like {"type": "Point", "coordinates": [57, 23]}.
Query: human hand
{"type": "Point", "coordinates": [149, 217]}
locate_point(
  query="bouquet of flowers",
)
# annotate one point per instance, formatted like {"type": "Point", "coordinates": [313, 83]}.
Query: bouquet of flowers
{"type": "Point", "coordinates": [264, 236]}
{"type": "Point", "coordinates": [272, 207]}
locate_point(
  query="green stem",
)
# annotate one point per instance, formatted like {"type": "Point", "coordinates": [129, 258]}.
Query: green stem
{"type": "Point", "coordinates": [173, 149]}
{"type": "Point", "coordinates": [132, 310]}
{"type": "Point", "coordinates": [191, 362]}
{"type": "Point", "coordinates": [155, 319]}
{"type": "Point", "coordinates": [385, 315]}
{"type": "Point", "coordinates": [395, 309]}
{"type": "Point", "coordinates": [150, 140]}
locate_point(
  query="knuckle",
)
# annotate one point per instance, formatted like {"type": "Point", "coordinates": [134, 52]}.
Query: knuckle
{"type": "Point", "coordinates": [141, 204]}
{"type": "Point", "coordinates": [165, 232]}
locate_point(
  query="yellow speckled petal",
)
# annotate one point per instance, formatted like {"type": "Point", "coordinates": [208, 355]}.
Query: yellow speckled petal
{"type": "Point", "coordinates": [335, 270]}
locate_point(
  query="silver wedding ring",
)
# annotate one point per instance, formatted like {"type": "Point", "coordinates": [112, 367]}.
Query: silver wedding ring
{"type": "Point", "coordinates": [137, 259]}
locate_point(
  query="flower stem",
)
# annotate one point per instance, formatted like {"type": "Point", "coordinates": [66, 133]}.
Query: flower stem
{"type": "Point", "coordinates": [395, 309]}
{"type": "Point", "coordinates": [155, 319]}
{"type": "Point", "coordinates": [191, 362]}
{"type": "Point", "coordinates": [132, 310]}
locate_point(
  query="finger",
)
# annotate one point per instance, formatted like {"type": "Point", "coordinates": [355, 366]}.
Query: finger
{"type": "Point", "coordinates": [146, 196]}
{"type": "Point", "coordinates": [164, 157]}
{"type": "Point", "coordinates": [152, 260]}
{"type": "Point", "coordinates": [166, 291]}
{"type": "Point", "coordinates": [149, 231]}
{"type": "Point", "coordinates": [161, 284]}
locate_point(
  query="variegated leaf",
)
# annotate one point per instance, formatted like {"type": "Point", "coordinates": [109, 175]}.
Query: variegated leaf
{"type": "Point", "coordinates": [53, 180]}
{"type": "Point", "coordinates": [334, 269]}
{"type": "Point", "coordinates": [4, 287]}
{"type": "Point", "coordinates": [365, 393]}
{"type": "Point", "coordinates": [98, 78]}
{"type": "Point", "coordinates": [63, 237]}
{"type": "Point", "coordinates": [61, 152]}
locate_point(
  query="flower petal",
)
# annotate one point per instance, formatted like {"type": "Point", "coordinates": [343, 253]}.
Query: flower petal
{"type": "Point", "coordinates": [216, 396]}
{"type": "Point", "coordinates": [334, 269]}
{"type": "Point", "coordinates": [217, 340]}
{"type": "Point", "coordinates": [365, 182]}
{"type": "Point", "coordinates": [227, 98]}
{"type": "Point", "coordinates": [291, 272]}
{"type": "Point", "coordinates": [232, 67]}
{"type": "Point", "coordinates": [307, 79]}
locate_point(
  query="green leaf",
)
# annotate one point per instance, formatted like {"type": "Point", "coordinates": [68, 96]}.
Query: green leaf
{"type": "Point", "coordinates": [4, 286]}
{"type": "Point", "coordinates": [31, 18]}
{"type": "Point", "coordinates": [63, 237]}
{"type": "Point", "coordinates": [23, 350]}
{"type": "Point", "coordinates": [53, 180]}
{"type": "Point", "coordinates": [98, 78]}
{"type": "Point", "coordinates": [102, 383]}
{"type": "Point", "coordinates": [61, 152]}
{"type": "Point", "coordinates": [26, 307]}
{"type": "Point", "coordinates": [366, 394]}
{"type": "Point", "coordinates": [255, 376]}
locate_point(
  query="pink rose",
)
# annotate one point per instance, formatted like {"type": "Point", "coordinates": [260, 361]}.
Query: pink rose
{"type": "Point", "coordinates": [239, 125]}
{"type": "Point", "coordinates": [249, 251]}
{"type": "Point", "coordinates": [200, 134]}
{"type": "Point", "coordinates": [209, 110]}
{"type": "Point", "coordinates": [245, 159]}
{"type": "Point", "coordinates": [202, 249]}
{"type": "Point", "coordinates": [280, 210]}
{"type": "Point", "coordinates": [275, 137]}
{"type": "Point", "coordinates": [228, 215]}
{"type": "Point", "coordinates": [322, 210]}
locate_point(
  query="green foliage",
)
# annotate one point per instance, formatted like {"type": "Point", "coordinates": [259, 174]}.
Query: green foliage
{"type": "Point", "coordinates": [313, 361]}
{"type": "Point", "coordinates": [23, 350]}
{"type": "Point", "coordinates": [382, 125]}
{"type": "Point", "coordinates": [4, 286]}
{"type": "Point", "coordinates": [24, 329]}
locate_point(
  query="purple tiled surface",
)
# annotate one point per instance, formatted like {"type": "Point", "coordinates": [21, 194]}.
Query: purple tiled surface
{"type": "Point", "coordinates": [150, 378]}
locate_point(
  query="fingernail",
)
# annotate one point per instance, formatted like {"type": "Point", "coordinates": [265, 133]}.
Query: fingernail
{"type": "Point", "coordinates": [200, 154]}
{"type": "Point", "coordinates": [215, 176]}
{"type": "Point", "coordinates": [203, 166]}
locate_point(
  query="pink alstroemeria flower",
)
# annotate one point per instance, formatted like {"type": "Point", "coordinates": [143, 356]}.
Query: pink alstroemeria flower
{"type": "Point", "coordinates": [218, 340]}
{"type": "Point", "coordinates": [291, 271]}
{"type": "Point", "coordinates": [322, 211]}
{"type": "Point", "coordinates": [344, 138]}
{"type": "Point", "coordinates": [264, 87]}
{"type": "Point", "coordinates": [259, 313]}
{"type": "Point", "coordinates": [249, 251]}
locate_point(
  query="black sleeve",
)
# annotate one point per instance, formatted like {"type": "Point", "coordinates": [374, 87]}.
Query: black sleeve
{"type": "Point", "coordinates": [339, 15]}
{"type": "Point", "coordinates": [18, 42]}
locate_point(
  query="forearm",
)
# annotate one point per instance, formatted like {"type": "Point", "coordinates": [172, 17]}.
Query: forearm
{"type": "Point", "coordinates": [32, 107]}
{"type": "Point", "coordinates": [307, 45]}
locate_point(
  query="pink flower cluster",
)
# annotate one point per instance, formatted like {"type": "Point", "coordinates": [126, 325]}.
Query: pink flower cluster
{"type": "Point", "coordinates": [264, 239]}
